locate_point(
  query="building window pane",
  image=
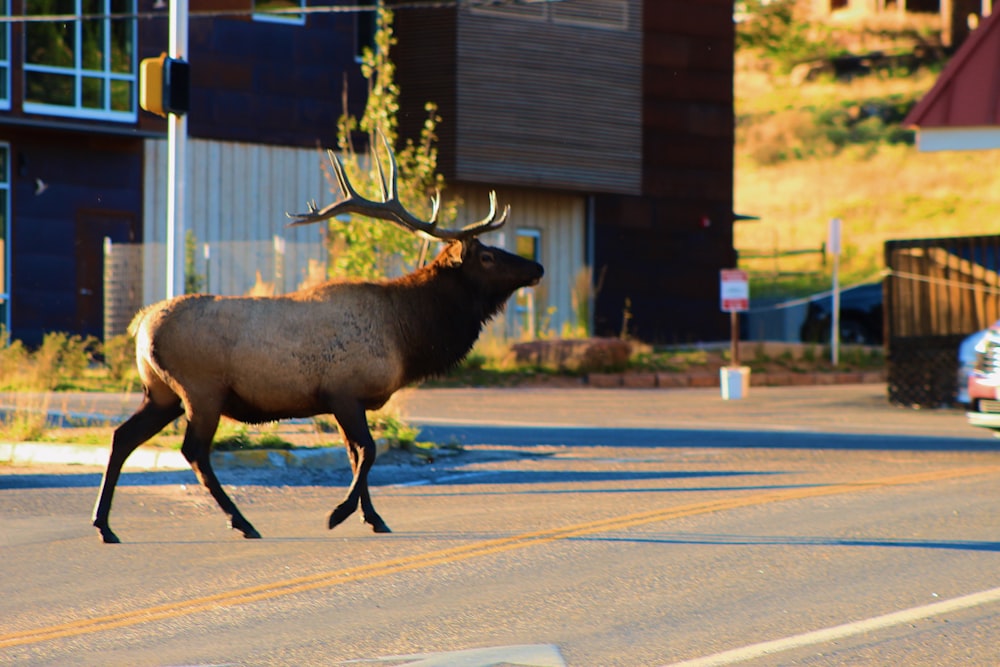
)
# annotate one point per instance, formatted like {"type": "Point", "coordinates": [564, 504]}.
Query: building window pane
{"type": "Point", "coordinates": [527, 244]}
{"type": "Point", "coordinates": [122, 39]}
{"type": "Point", "coordinates": [46, 88]}
{"type": "Point", "coordinates": [84, 68]}
{"type": "Point", "coordinates": [93, 93]}
{"type": "Point", "coordinates": [121, 95]}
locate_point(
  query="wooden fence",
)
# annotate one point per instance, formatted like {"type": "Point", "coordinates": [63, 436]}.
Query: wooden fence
{"type": "Point", "coordinates": [937, 292]}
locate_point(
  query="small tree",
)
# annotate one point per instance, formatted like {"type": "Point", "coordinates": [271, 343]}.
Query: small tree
{"type": "Point", "coordinates": [364, 248]}
{"type": "Point", "coordinates": [194, 282]}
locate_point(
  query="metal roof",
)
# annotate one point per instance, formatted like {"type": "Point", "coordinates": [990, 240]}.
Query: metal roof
{"type": "Point", "coordinates": [962, 109]}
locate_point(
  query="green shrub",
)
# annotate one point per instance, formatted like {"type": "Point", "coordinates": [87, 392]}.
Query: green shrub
{"type": "Point", "coordinates": [61, 359]}
{"type": "Point", "coordinates": [119, 357]}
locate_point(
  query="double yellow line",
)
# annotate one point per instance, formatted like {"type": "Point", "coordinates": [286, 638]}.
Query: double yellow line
{"type": "Point", "coordinates": [456, 554]}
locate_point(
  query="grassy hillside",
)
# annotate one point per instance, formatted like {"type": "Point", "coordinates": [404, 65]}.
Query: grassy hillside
{"type": "Point", "coordinates": [819, 150]}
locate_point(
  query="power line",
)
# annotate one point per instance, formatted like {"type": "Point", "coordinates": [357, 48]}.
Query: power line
{"type": "Point", "coordinates": [292, 11]}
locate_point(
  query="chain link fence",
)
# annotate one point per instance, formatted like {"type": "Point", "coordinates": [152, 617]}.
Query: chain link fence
{"type": "Point", "coordinates": [135, 273]}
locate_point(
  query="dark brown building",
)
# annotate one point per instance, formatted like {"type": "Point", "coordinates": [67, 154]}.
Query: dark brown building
{"type": "Point", "coordinates": [623, 105]}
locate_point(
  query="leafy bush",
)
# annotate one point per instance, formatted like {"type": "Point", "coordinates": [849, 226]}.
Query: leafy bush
{"type": "Point", "coordinates": [777, 33]}
{"type": "Point", "coordinates": [13, 361]}
{"type": "Point", "coordinates": [119, 358]}
{"type": "Point", "coordinates": [61, 359]}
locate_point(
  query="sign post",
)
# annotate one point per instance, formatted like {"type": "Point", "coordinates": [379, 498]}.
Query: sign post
{"type": "Point", "coordinates": [833, 247]}
{"type": "Point", "coordinates": [735, 298]}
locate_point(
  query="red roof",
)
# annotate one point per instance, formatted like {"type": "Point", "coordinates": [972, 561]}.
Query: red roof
{"type": "Point", "coordinates": [967, 93]}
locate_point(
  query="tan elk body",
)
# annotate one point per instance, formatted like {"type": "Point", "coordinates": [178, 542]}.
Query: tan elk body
{"type": "Point", "coordinates": [338, 348]}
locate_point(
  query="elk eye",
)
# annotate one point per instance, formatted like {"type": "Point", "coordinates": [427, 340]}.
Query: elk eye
{"type": "Point", "coordinates": [487, 258]}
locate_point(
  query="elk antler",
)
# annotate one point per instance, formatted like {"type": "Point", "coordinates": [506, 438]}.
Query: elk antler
{"type": "Point", "coordinates": [390, 207]}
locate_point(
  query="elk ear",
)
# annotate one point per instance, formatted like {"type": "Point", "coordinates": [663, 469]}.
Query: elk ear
{"type": "Point", "coordinates": [452, 254]}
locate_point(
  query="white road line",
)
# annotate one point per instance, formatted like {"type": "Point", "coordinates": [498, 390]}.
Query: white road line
{"type": "Point", "coordinates": [762, 649]}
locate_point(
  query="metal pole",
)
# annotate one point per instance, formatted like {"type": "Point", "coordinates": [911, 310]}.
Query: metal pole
{"type": "Point", "coordinates": [734, 345]}
{"type": "Point", "coordinates": [835, 320]}
{"type": "Point", "coordinates": [176, 160]}
{"type": "Point", "coordinates": [833, 244]}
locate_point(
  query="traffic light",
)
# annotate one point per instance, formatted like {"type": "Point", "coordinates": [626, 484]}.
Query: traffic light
{"type": "Point", "coordinates": [165, 85]}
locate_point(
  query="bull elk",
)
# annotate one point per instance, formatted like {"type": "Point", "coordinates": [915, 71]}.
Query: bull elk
{"type": "Point", "coordinates": [338, 348]}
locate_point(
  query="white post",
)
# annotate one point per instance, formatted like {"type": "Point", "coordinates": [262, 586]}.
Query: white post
{"type": "Point", "coordinates": [833, 244]}
{"type": "Point", "coordinates": [176, 159]}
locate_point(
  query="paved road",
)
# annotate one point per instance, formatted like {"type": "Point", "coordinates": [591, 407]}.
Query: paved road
{"type": "Point", "coordinates": [580, 528]}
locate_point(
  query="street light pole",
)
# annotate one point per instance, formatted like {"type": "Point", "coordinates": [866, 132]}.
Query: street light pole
{"type": "Point", "coordinates": [176, 159]}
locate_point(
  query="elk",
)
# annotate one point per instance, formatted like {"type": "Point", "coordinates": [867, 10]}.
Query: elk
{"type": "Point", "coordinates": [340, 348]}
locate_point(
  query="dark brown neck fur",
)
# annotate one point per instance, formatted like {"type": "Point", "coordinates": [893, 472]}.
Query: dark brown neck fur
{"type": "Point", "coordinates": [439, 317]}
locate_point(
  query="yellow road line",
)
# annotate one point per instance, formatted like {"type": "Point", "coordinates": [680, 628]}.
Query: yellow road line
{"type": "Point", "coordinates": [460, 553]}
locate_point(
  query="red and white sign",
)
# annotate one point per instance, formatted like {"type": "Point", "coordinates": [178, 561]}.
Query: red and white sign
{"type": "Point", "coordinates": [735, 290]}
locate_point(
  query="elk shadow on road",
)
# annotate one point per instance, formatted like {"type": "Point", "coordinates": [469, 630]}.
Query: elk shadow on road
{"type": "Point", "coordinates": [521, 442]}
{"type": "Point", "coordinates": [524, 436]}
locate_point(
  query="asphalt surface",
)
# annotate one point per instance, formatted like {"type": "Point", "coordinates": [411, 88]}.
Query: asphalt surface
{"type": "Point", "coordinates": [582, 527]}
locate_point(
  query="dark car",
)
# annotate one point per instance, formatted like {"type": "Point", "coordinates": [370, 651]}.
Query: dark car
{"type": "Point", "coordinates": [860, 316]}
{"type": "Point", "coordinates": [984, 382]}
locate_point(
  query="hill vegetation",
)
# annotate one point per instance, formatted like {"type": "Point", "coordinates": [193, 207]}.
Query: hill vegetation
{"type": "Point", "coordinates": [809, 149]}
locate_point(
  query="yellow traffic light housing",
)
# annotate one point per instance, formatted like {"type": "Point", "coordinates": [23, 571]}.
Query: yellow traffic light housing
{"type": "Point", "coordinates": [151, 84]}
{"type": "Point", "coordinates": [165, 85]}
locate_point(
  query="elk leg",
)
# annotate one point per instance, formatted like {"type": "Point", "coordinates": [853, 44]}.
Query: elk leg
{"type": "Point", "coordinates": [197, 449]}
{"type": "Point", "coordinates": [361, 449]}
{"type": "Point", "coordinates": [147, 421]}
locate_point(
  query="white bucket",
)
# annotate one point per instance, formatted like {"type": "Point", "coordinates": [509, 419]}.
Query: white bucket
{"type": "Point", "coordinates": [734, 381]}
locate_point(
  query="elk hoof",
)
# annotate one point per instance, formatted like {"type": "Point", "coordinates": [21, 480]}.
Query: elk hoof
{"type": "Point", "coordinates": [108, 536]}
{"type": "Point", "coordinates": [249, 532]}
{"type": "Point", "coordinates": [379, 526]}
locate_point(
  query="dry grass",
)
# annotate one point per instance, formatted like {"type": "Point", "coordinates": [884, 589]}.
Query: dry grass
{"type": "Point", "coordinates": [880, 192]}
{"type": "Point", "coordinates": [897, 193]}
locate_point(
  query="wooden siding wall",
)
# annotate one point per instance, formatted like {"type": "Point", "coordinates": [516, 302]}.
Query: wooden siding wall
{"type": "Point", "coordinates": [548, 103]}
{"type": "Point", "coordinates": [425, 71]}
{"type": "Point", "coordinates": [560, 219]}
{"type": "Point", "coordinates": [527, 98]}
{"type": "Point", "coordinates": [236, 193]}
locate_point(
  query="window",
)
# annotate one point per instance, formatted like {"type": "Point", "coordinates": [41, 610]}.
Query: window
{"type": "Point", "coordinates": [5, 57]}
{"type": "Point", "coordinates": [285, 6]}
{"type": "Point", "coordinates": [5, 236]}
{"type": "Point", "coordinates": [527, 244]}
{"type": "Point", "coordinates": [606, 14]}
{"type": "Point", "coordinates": [85, 68]}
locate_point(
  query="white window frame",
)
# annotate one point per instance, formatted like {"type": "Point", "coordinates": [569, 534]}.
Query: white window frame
{"type": "Point", "coordinates": [5, 250]}
{"type": "Point", "coordinates": [5, 58]}
{"type": "Point", "coordinates": [614, 14]}
{"type": "Point", "coordinates": [78, 72]}
{"type": "Point", "coordinates": [288, 19]}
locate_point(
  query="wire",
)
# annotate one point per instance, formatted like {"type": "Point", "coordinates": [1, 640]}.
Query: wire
{"type": "Point", "coordinates": [902, 275]}
{"type": "Point", "coordinates": [292, 11]}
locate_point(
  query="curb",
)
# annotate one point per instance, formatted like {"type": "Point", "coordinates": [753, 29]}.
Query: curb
{"type": "Point", "coordinates": [709, 379]}
{"type": "Point", "coordinates": [316, 458]}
